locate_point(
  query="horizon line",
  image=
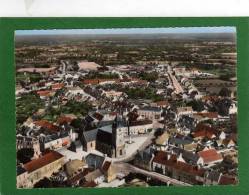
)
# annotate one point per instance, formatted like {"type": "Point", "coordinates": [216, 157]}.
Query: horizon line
{"type": "Point", "coordinates": [128, 31]}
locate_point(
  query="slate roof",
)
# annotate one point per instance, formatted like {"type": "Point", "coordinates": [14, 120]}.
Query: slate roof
{"type": "Point", "coordinates": [145, 155]}
{"type": "Point", "coordinates": [94, 161]}
{"type": "Point", "coordinates": [90, 135]}
{"type": "Point", "coordinates": [180, 141]}
{"type": "Point", "coordinates": [20, 170]}
{"type": "Point", "coordinates": [214, 176]}
{"type": "Point", "coordinates": [189, 157]}
{"type": "Point", "coordinates": [149, 108]}
{"type": "Point", "coordinates": [104, 137]}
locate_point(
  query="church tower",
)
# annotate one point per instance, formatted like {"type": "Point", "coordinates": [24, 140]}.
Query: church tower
{"type": "Point", "coordinates": [118, 142]}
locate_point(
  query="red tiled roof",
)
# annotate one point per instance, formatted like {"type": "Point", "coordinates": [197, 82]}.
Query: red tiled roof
{"type": "Point", "coordinates": [57, 85]}
{"type": "Point", "coordinates": [106, 166]}
{"type": "Point", "coordinates": [204, 130]}
{"type": "Point", "coordinates": [89, 184]}
{"type": "Point", "coordinates": [98, 116]}
{"type": "Point", "coordinates": [208, 114]}
{"type": "Point", "coordinates": [44, 93]}
{"type": "Point", "coordinates": [227, 180]}
{"type": "Point", "coordinates": [47, 125]}
{"type": "Point", "coordinates": [162, 158]}
{"type": "Point", "coordinates": [97, 81]}
{"type": "Point", "coordinates": [210, 155]}
{"type": "Point", "coordinates": [91, 81]}
{"type": "Point", "coordinates": [63, 120]}
{"type": "Point", "coordinates": [42, 161]}
{"type": "Point", "coordinates": [162, 103]}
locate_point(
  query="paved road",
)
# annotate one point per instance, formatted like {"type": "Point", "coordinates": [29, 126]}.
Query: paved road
{"type": "Point", "coordinates": [176, 84]}
{"type": "Point", "coordinates": [126, 168]}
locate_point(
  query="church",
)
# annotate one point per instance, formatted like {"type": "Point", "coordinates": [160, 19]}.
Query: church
{"type": "Point", "coordinates": [107, 139]}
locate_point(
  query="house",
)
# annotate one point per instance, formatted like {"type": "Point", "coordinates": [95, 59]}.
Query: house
{"type": "Point", "coordinates": [209, 157]}
{"type": "Point", "coordinates": [180, 141]}
{"type": "Point", "coordinates": [95, 176]}
{"type": "Point", "coordinates": [89, 140]}
{"type": "Point", "coordinates": [94, 161]}
{"type": "Point", "coordinates": [109, 171]}
{"type": "Point", "coordinates": [143, 159]}
{"type": "Point", "coordinates": [160, 104]}
{"type": "Point", "coordinates": [138, 127]}
{"type": "Point", "coordinates": [204, 131]}
{"type": "Point", "coordinates": [45, 94]}
{"type": "Point", "coordinates": [212, 177]}
{"type": "Point", "coordinates": [161, 141]}
{"type": "Point", "coordinates": [186, 156]}
{"type": "Point", "coordinates": [78, 177]}
{"type": "Point", "coordinates": [73, 167]}
{"type": "Point", "coordinates": [28, 142]}
{"type": "Point", "coordinates": [184, 110]}
{"type": "Point", "coordinates": [151, 113]}
{"type": "Point", "coordinates": [57, 86]}
{"type": "Point", "coordinates": [43, 166]}
{"type": "Point", "coordinates": [167, 164]}
{"type": "Point", "coordinates": [21, 177]}
{"type": "Point", "coordinates": [228, 143]}
{"type": "Point", "coordinates": [227, 180]}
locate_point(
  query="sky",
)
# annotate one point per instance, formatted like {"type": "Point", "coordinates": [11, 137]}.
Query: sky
{"type": "Point", "coordinates": [128, 31]}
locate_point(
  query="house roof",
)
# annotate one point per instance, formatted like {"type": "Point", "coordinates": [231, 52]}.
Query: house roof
{"type": "Point", "coordinates": [63, 120]}
{"type": "Point", "coordinates": [44, 93]}
{"type": "Point", "coordinates": [106, 165]}
{"type": "Point", "coordinates": [204, 130]}
{"type": "Point", "coordinates": [93, 175]}
{"type": "Point", "coordinates": [47, 125]}
{"type": "Point", "coordinates": [57, 85]}
{"type": "Point", "coordinates": [149, 108]}
{"type": "Point", "coordinates": [42, 161]}
{"type": "Point", "coordinates": [72, 166]}
{"type": "Point", "coordinates": [162, 103]}
{"type": "Point", "coordinates": [170, 160]}
{"type": "Point", "coordinates": [104, 136]}
{"type": "Point", "coordinates": [210, 155]}
{"type": "Point", "coordinates": [180, 140]}
{"type": "Point", "coordinates": [140, 122]}
{"type": "Point", "coordinates": [211, 115]}
{"type": "Point", "coordinates": [162, 138]}
{"type": "Point", "coordinates": [214, 175]}
{"type": "Point", "coordinates": [94, 161]}
{"type": "Point", "coordinates": [89, 184]}
{"type": "Point", "coordinates": [184, 109]}
{"type": "Point", "coordinates": [98, 116]}
{"type": "Point", "coordinates": [189, 157]}
{"type": "Point", "coordinates": [145, 155]}
{"type": "Point", "coordinates": [90, 135]}
{"type": "Point", "coordinates": [20, 170]}
{"type": "Point", "coordinates": [79, 176]}
{"type": "Point", "coordinates": [227, 180]}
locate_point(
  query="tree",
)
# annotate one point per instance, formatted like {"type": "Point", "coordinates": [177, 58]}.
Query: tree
{"type": "Point", "coordinates": [223, 106]}
{"type": "Point", "coordinates": [225, 92]}
{"type": "Point", "coordinates": [197, 105]}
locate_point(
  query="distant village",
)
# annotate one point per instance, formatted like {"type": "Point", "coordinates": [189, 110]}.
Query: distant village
{"type": "Point", "coordinates": [82, 122]}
